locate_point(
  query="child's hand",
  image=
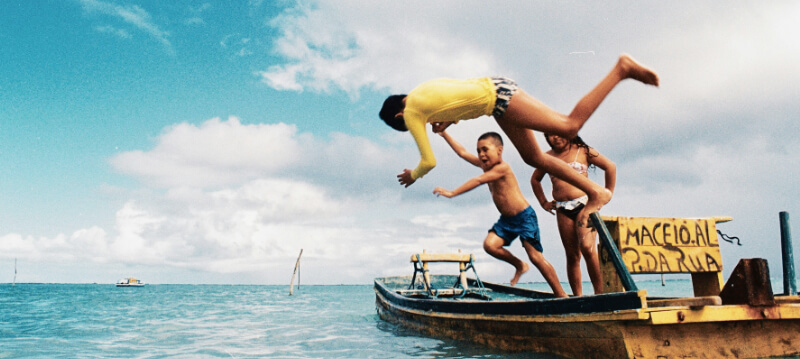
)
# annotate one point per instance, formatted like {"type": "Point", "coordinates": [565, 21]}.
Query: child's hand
{"type": "Point", "coordinates": [438, 127]}
{"type": "Point", "coordinates": [439, 191]}
{"type": "Point", "coordinates": [405, 178]}
{"type": "Point", "coordinates": [550, 207]}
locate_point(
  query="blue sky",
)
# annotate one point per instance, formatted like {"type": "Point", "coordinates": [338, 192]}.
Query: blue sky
{"type": "Point", "coordinates": [193, 141]}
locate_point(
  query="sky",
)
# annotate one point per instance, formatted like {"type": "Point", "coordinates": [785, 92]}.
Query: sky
{"type": "Point", "coordinates": [210, 142]}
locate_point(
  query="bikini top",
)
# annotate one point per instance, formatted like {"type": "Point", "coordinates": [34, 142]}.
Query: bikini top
{"type": "Point", "coordinates": [577, 166]}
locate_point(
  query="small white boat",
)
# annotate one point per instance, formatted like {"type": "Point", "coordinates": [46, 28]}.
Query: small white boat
{"type": "Point", "coordinates": [130, 282]}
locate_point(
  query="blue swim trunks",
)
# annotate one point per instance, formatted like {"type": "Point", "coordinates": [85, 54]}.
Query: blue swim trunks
{"type": "Point", "coordinates": [524, 225]}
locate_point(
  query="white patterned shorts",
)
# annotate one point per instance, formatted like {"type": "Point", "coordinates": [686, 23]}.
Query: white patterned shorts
{"type": "Point", "coordinates": [505, 88]}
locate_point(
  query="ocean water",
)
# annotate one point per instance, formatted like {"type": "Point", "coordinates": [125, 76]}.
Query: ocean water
{"type": "Point", "coordinates": [219, 321]}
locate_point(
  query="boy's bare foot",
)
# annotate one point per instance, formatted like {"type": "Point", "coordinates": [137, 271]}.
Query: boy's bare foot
{"type": "Point", "coordinates": [519, 273]}
{"type": "Point", "coordinates": [594, 204]}
{"type": "Point", "coordinates": [630, 68]}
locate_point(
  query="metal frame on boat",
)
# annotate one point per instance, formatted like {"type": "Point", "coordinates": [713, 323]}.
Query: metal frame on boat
{"type": "Point", "coordinates": [740, 319]}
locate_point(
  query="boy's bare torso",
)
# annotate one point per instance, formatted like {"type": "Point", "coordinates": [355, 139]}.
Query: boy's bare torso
{"type": "Point", "coordinates": [505, 191]}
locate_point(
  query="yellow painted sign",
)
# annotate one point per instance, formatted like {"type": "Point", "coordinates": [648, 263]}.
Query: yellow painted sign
{"type": "Point", "coordinates": [666, 245]}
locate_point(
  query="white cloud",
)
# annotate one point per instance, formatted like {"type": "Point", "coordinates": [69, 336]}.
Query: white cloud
{"type": "Point", "coordinates": [347, 45]}
{"type": "Point", "coordinates": [203, 230]}
{"type": "Point", "coordinates": [727, 73]}
{"type": "Point", "coordinates": [718, 138]}
{"type": "Point", "coordinates": [256, 227]}
{"type": "Point", "coordinates": [17, 244]}
{"type": "Point", "coordinates": [196, 12]}
{"type": "Point", "coordinates": [334, 203]}
{"type": "Point", "coordinates": [237, 199]}
{"type": "Point", "coordinates": [756, 48]}
{"type": "Point", "coordinates": [85, 244]}
{"type": "Point", "coordinates": [132, 15]}
{"type": "Point", "coordinates": [238, 229]}
{"type": "Point", "coordinates": [108, 29]}
{"type": "Point", "coordinates": [194, 21]}
{"type": "Point", "coordinates": [714, 60]}
{"type": "Point", "coordinates": [213, 154]}
{"type": "Point", "coordinates": [220, 153]}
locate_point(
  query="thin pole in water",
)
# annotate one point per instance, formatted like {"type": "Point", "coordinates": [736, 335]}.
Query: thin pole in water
{"type": "Point", "coordinates": [296, 267]}
{"type": "Point", "coordinates": [789, 284]}
{"type": "Point", "coordinates": [14, 283]}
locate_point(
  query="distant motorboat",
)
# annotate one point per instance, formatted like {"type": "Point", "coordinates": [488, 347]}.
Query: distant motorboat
{"type": "Point", "coordinates": [130, 282]}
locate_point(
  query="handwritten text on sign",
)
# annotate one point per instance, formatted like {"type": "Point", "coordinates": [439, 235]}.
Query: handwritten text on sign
{"type": "Point", "coordinates": [669, 245]}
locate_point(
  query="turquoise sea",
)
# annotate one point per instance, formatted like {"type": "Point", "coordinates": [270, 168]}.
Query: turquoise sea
{"type": "Point", "coordinates": [219, 321]}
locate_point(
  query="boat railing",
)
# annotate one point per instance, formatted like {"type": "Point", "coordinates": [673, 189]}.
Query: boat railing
{"type": "Point", "coordinates": [460, 288]}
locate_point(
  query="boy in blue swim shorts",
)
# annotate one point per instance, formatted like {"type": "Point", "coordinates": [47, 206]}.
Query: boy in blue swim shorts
{"type": "Point", "coordinates": [524, 225]}
{"type": "Point", "coordinates": [517, 218]}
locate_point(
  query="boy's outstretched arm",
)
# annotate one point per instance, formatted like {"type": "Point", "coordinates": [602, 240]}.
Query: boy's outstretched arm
{"type": "Point", "coordinates": [466, 187]}
{"type": "Point", "coordinates": [538, 191]}
{"type": "Point", "coordinates": [460, 150]}
{"type": "Point", "coordinates": [493, 174]}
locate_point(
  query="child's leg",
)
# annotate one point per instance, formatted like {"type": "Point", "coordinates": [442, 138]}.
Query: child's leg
{"type": "Point", "coordinates": [626, 68]}
{"type": "Point", "coordinates": [527, 146]}
{"type": "Point", "coordinates": [528, 112]}
{"type": "Point", "coordinates": [547, 270]}
{"type": "Point", "coordinates": [493, 245]}
{"type": "Point", "coordinates": [569, 238]}
{"type": "Point", "coordinates": [586, 237]}
{"type": "Point", "coordinates": [524, 111]}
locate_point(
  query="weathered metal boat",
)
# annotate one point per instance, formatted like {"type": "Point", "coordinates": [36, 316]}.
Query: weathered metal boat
{"type": "Point", "coordinates": [741, 318]}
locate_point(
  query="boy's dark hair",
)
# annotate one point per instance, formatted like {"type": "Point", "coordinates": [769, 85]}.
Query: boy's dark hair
{"type": "Point", "coordinates": [391, 107]}
{"type": "Point", "coordinates": [496, 136]}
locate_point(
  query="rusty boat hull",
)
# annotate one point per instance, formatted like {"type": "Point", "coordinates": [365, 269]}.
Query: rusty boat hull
{"type": "Point", "coordinates": [614, 325]}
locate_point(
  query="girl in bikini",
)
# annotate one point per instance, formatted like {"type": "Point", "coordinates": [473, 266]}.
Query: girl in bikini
{"type": "Point", "coordinates": [569, 200]}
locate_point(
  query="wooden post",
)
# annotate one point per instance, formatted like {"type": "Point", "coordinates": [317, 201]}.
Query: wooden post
{"type": "Point", "coordinates": [296, 266]}
{"type": "Point", "coordinates": [613, 253]}
{"type": "Point", "coordinates": [789, 283]}
{"type": "Point", "coordinates": [462, 273]}
{"type": "Point", "coordinates": [426, 274]}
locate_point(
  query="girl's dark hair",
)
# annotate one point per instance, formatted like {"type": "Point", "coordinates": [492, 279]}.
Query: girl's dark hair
{"type": "Point", "coordinates": [391, 107]}
{"type": "Point", "coordinates": [577, 141]}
